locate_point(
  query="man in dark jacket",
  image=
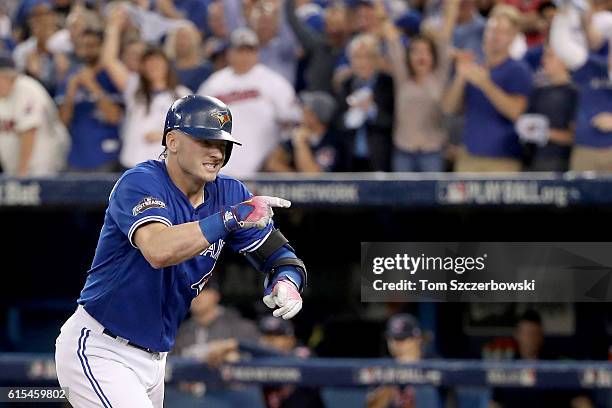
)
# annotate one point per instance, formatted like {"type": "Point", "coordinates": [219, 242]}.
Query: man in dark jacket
{"type": "Point", "coordinates": [366, 104]}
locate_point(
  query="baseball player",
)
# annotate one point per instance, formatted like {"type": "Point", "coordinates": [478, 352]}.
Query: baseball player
{"type": "Point", "coordinates": [164, 229]}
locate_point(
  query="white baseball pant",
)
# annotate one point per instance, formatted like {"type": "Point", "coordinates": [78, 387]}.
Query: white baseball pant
{"type": "Point", "coordinates": [100, 371]}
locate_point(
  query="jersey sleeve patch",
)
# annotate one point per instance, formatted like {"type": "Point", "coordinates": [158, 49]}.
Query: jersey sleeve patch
{"type": "Point", "coordinates": [146, 204]}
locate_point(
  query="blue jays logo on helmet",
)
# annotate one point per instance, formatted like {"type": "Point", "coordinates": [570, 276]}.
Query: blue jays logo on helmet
{"type": "Point", "coordinates": [201, 117]}
{"type": "Point", "coordinates": [223, 117]}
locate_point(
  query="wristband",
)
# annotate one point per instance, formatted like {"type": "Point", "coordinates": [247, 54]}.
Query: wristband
{"type": "Point", "coordinates": [218, 225]}
{"type": "Point", "coordinates": [213, 227]}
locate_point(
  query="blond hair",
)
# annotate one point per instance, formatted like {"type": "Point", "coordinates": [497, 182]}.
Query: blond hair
{"type": "Point", "coordinates": [365, 40]}
{"type": "Point", "coordinates": [170, 42]}
{"type": "Point", "coordinates": [509, 12]}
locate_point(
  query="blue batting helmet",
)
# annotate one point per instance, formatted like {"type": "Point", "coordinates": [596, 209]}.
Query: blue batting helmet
{"type": "Point", "coordinates": [201, 117]}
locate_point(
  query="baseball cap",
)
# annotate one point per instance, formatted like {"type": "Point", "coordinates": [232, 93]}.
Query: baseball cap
{"type": "Point", "coordinates": [410, 21]}
{"type": "Point", "coordinates": [321, 103]}
{"type": "Point", "coordinates": [243, 37]}
{"type": "Point", "coordinates": [6, 62]}
{"type": "Point", "coordinates": [275, 326]}
{"type": "Point", "coordinates": [402, 326]}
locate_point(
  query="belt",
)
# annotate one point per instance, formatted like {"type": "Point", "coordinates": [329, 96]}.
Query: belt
{"type": "Point", "coordinates": [129, 343]}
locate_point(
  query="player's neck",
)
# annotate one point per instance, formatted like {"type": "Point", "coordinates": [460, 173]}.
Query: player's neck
{"type": "Point", "coordinates": [193, 189]}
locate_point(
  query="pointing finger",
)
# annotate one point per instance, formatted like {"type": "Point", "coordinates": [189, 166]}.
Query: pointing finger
{"type": "Point", "coordinates": [276, 201]}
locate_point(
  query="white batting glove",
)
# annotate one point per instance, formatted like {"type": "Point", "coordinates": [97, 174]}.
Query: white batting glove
{"type": "Point", "coordinates": [285, 296]}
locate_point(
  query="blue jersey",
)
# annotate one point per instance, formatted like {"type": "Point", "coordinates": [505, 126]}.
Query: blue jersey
{"type": "Point", "coordinates": [594, 98]}
{"type": "Point", "coordinates": [123, 291]}
{"type": "Point", "coordinates": [486, 131]}
{"type": "Point", "coordinates": [95, 142]}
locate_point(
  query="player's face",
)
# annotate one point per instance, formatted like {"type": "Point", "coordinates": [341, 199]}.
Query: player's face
{"type": "Point", "coordinates": [529, 338]}
{"type": "Point", "coordinates": [408, 349]}
{"type": "Point", "coordinates": [201, 159]}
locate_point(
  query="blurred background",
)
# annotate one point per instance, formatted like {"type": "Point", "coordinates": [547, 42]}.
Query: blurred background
{"type": "Point", "coordinates": [382, 120]}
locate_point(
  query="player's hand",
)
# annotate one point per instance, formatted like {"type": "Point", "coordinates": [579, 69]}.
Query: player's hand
{"type": "Point", "coordinates": [254, 213]}
{"type": "Point", "coordinates": [286, 298]}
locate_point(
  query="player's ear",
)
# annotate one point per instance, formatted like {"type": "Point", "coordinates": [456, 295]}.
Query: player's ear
{"type": "Point", "coordinates": [172, 141]}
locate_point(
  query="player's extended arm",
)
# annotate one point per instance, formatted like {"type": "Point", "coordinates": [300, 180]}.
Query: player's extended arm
{"type": "Point", "coordinates": [163, 245]}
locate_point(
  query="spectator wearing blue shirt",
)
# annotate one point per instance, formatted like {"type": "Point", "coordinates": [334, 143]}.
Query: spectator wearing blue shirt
{"type": "Point", "coordinates": [184, 48]}
{"type": "Point", "coordinates": [312, 148]}
{"type": "Point", "coordinates": [591, 73]}
{"type": "Point", "coordinates": [492, 96]}
{"type": "Point", "coordinates": [91, 108]}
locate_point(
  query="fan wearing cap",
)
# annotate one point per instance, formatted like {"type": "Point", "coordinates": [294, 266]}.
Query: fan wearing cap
{"type": "Point", "coordinates": [33, 140]}
{"type": "Point", "coordinates": [278, 334]}
{"type": "Point", "coordinates": [313, 145]}
{"type": "Point", "coordinates": [404, 338]}
{"type": "Point", "coordinates": [262, 101]}
{"type": "Point", "coordinates": [405, 343]}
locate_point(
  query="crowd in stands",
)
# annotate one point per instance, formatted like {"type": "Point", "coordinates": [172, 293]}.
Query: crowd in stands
{"type": "Point", "coordinates": [313, 85]}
